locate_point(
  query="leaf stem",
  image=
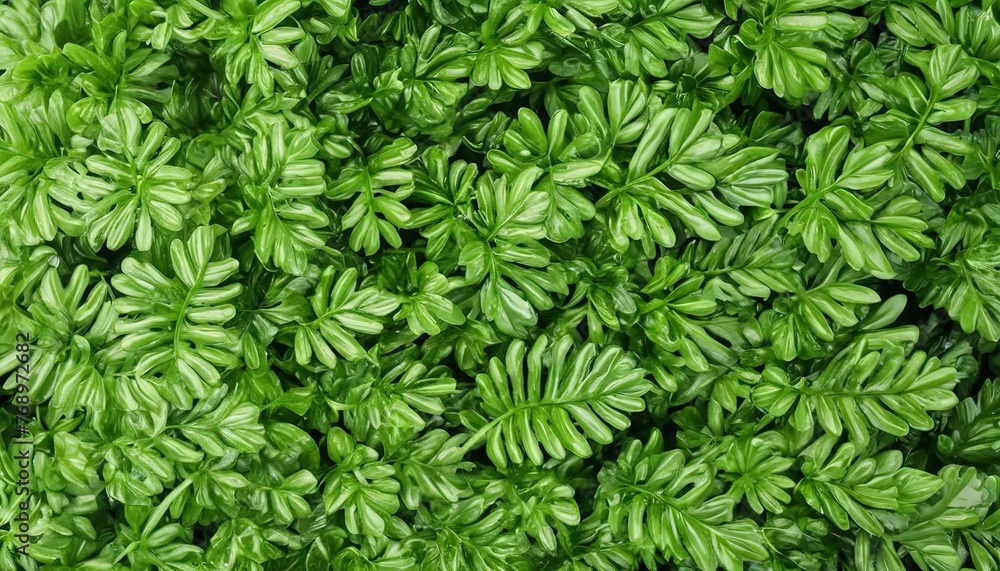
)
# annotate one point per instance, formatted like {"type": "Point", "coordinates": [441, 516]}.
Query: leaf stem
{"type": "Point", "coordinates": [158, 513]}
{"type": "Point", "coordinates": [155, 517]}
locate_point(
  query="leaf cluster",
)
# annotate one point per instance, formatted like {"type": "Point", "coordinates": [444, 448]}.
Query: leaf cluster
{"type": "Point", "coordinates": [476, 285]}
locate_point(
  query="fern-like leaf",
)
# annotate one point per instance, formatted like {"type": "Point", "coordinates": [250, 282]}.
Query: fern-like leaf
{"type": "Point", "coordinates": [557, 406]}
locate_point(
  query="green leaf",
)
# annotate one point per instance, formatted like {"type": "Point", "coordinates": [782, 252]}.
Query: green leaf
{"type": "Point", "coordinates": [361, 486]}
{"type": "Point", "coordinates": [221, 424]}
{"type": "Point", "coordinates": [817, 312]}
{"type": "Point", "coordinates": [240, 541]}
{"type": "Point", "coordinates": [966, 286]}
{"type": "Point", "coordinates": [377, 212]}
{"type": "Point", "coordinates": [654, 495]}
{"type": "Point", "coordinates": [390, 403]}
{"type": "Point", "coordinates": [179, 322]}
{"type": "Point", "coordinates": [835, 206]}
{"type": "Point", "coordinates": [758, 471]}
{"type": "Point", "coordinates": [583, 396]}
{"type": "Point", "coordinates": [860, 389]}
{"type": "Point", "coordinates": [506, 260]}
{"type": "Point", "coordinates": [341, 313]}
{"type": "Point", "coordinates": [847, 486]}
{"type": "Point", "coordinates": [141, 191]}
{"type": "Point", "coordinates": [973, 433]}
{"type": "Point", "coordinates": [568, 159]}
{"type": "Point", "coordinates": [279, 178]}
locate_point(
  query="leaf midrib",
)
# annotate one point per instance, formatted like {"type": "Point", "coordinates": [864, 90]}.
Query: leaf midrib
{"type": "Point", "coordinates": [182, 311]}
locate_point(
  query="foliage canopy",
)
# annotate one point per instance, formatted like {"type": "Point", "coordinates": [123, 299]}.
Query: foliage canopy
{"type": "Point", "coordinates": [501, 285]}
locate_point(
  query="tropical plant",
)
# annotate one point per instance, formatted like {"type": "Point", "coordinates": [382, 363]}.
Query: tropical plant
{"type": "Point", "coordinates": [500, 285]}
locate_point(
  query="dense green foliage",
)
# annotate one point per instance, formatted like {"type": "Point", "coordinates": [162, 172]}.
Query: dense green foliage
{"type": "Point", "coordinates": [501, 285]}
